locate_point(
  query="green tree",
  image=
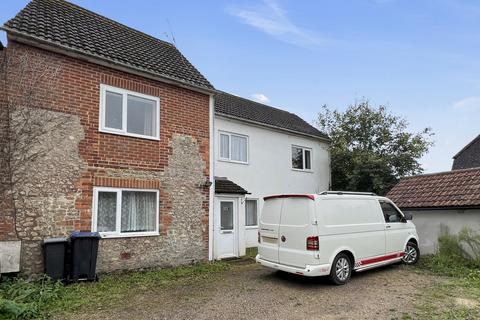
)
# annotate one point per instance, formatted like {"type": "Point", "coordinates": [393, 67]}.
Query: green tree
{"type": "Point", "coordinates": [371, 147]}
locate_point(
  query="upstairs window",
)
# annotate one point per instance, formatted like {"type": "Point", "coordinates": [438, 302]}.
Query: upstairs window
{"type": "Point", "coordinates": [129, 113]}
{"type": "Point", "coordinates": [301, 158]}
{"type": "Point", "coordinates": [233, 147]}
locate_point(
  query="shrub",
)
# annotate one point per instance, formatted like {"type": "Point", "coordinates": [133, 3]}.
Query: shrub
{"type": "Point", "coordinates": [21, 299]}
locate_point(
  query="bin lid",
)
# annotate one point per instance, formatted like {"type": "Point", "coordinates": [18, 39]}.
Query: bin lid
{"type": "Point", "coordinates": [85, 234]}
{"type": "Point", "coordinates": [55, 240]}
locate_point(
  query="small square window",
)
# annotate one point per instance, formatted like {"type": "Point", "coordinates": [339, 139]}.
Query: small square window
{"type": "Point", "coordinates": [301, 158]}
{"type": "Point", "coordinates": [233, 147]}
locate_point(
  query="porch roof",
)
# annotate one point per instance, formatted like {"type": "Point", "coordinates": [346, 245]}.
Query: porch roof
{"type": "Point", "coordinates": [223, 185]}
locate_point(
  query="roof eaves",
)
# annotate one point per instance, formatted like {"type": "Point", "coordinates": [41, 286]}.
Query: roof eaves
{"type": "Point", "coordinates": [450, 172]}
{"type": "Point", "coordinates": [53, 46]}
{"type": "Point", "coordinates": [451, 207]}
{"type": "Point", "coordinates": [261, 124]}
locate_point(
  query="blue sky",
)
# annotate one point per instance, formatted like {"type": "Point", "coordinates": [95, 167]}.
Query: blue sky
{"type": "Point", "coordinates": [421, 58]}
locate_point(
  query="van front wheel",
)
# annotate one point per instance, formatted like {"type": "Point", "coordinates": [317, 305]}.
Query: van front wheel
{"type": "Point", "coordinates": [412, 253]}
{"type": "Point", "coordinates": [341, 269]}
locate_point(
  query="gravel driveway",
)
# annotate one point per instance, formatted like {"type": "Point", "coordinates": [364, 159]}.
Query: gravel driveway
{"type": "Point", "coordinates": [253, 292]}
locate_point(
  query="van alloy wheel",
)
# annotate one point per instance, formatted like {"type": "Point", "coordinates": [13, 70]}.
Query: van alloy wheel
{"type": "Point", "coordinates": [342, 269]}
{"type": "Point", "coordinates": [411, 253]}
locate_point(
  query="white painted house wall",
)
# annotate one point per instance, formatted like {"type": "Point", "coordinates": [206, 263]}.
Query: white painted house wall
{"type": "Point", "coordinates": [269, 168]}
{"type": "Point", "coordinates": [429, 224]}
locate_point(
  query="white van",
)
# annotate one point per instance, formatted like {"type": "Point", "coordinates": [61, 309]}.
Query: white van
{"type": "Point", "coordinates": [334, 233]}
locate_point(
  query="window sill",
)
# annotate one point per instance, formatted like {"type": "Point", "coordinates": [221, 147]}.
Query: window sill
{"type": "Point", "coordinates": [126, 134]}
{"type": "Point", "coordinates": [128, 235]}
{"type": "Point", "coordinates": [233, 161]}
{"type": "Point", "coordinates": [301, 170]}
{"type": "Point", "coordinates": [251, 227]}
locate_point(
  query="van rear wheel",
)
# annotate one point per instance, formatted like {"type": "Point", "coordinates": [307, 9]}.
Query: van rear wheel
{"type": "Point", "coordinates": [341, 269]}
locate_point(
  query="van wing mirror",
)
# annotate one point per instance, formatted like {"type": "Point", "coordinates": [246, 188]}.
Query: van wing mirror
{"type": "Point", "coordinates": [408, 216]}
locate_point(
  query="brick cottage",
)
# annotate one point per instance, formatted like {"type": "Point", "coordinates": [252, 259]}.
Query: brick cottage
{"type": "Point", "coordinates": [129, 150]}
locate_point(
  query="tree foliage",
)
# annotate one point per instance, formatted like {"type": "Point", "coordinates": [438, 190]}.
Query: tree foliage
{"type": "Point", "coordinates": [371, 147]}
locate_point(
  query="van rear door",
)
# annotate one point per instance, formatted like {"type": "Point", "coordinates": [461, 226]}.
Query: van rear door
{"type": "Point", "coordinates": [297, 223]}
{"type": "Point", "coordinates": [269, 228]}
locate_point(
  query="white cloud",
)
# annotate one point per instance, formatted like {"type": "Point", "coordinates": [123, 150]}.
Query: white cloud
{"type": "Point", "coordinates": [469, 103]}
{"type": "Point", "coordinates": [271, 19]}
{"type": "Point", "coordinates": [260, 97]}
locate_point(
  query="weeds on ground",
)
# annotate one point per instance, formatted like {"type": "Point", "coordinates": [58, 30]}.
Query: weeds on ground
{"type": "Point", "coordinates": [252, 252]}
{"type": "Point", "coordinates": [458, 297]}
{"type": "Point", "coordinates": [21, 299]}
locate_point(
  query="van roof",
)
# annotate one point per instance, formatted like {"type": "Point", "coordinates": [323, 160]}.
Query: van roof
{"type": "Point", "coordinates": [352, 195]}
{"type": "Point", "coordinates": [329, 194]}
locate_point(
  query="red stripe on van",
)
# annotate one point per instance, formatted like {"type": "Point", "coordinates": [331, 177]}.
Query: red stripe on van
{"type": "Point", "coordinates": [382, 258]}
{"type": "Point", "coordinates": [309, 196]}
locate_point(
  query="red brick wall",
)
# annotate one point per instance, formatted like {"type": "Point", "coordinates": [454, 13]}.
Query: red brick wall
{"type": "Point", "coordinates": [182, 112]}
{"type": "Point", "coordinates": [7, 227]}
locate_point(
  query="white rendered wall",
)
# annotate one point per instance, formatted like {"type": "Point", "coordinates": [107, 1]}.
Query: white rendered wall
{"type": "Point", "coordinates": [269, 169]}
{"type": "Point", "coordinates": [429, 222]}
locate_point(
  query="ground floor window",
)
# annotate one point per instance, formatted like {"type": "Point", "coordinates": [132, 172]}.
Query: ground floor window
{"type": "Point", "coordinates": [125, 212]}
{"type": "Point", "coordinates": [251, 212]}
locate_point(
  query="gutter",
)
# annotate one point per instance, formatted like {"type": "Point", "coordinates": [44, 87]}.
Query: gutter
{"type": "Point", "coordinates": [38, 42]}
{"type": "Point", "coordinates": [211, 208]}
{"type": "Point", "coordinates": [260, 124]}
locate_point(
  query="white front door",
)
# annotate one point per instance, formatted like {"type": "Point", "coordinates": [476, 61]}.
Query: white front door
{"type": "Point", "coordinates": [226, 227]}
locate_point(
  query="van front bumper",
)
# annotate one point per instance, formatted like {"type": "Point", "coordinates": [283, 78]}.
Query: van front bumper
{"type": "Point", "coordinates": [309, 270]}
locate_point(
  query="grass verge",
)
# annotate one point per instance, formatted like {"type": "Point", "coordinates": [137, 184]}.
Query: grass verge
{"type": "Point", "coordinates": [456, 295]}
{"type": "Point", "coordinates": [42, 299]}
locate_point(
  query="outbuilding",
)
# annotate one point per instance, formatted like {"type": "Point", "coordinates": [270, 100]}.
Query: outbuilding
{"type": "Point", "coordinates": [440, 202]}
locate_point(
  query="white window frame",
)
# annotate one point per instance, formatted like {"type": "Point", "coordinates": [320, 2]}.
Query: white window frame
{"type": "Point", "coordinates": [252, 226]}
{"type": "Point", "coordinates": [103, 128]}
{"type": "Point", "coordinates": [303, 156]}
{"type": "Point", "coordinates": [117, 233]}
{"type": "Point", "coordinates": [229, 159]}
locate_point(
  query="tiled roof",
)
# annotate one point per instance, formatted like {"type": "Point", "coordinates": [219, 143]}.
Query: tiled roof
{"type": "Point", "coordinates": [234, 106]}
{"type": "Point", "coordinates": [458, 188]}
{"type": "Point", "coordinates": [60, 23]}
{"type": "Point", "coordinates": [469, 156]}
{"type": "Point", "coordinates": [223, 185]}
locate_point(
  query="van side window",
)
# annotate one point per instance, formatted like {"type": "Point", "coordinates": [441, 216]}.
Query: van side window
{"type": "Point", "coordinates": [390, 213]}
